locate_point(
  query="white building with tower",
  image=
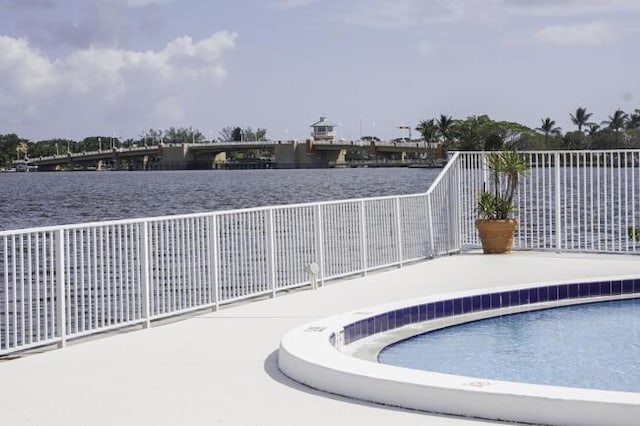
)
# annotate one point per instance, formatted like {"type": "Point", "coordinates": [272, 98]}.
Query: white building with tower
{"type": "Point", "coordinates": [323, 130]}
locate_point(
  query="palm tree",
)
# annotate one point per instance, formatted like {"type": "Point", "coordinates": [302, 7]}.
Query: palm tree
{"type": "Point", "coordinates": [617, 122]}
{"type": "Point", "coordinates": [429, 131]}
{"type": "Point", "coordinates": [444, 124]}
{"type": "Point", "coordinates": [634, 120]}
{"type": "Point", "coordinates": [581, 118]}
{"type": "Point", "coordinates": [593, 134]}
{"type": "Point", "coordinates": [548, 128]}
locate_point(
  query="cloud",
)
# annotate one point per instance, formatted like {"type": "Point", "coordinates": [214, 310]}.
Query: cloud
{"type": "Point", "coordinates": [36, 4]}
{"type": "Point", "coordinates": [568, 7]}
{"type": "Point", "coordinates": [426, 48]}
{"type": "Point", "coordinates": [29, 4]}
{"type": "Point", "coordinates": [91, 23]}
{"type": "Point", "coordinates": [403, 13]}
{"type": "Point", "coordinates": [97, 84]}
{"type": "Point", "coordinates": [415, 13]}
{"type": "Point", "coordinates": [293, 4]}
{"type": "Point", "coordinates": [73, 24]}
{"type": "Point", "coordinates": [142, 3]}
{"type": "Point", "coordinates": [23, 70]}
{"type": "Point", "coordinates": [564, 35]}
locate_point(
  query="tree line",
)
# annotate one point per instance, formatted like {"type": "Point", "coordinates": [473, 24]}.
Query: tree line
{"type": "Point", "coordinates": [475, 133]}
{"type": "Point", "coordinates": [481, 133]}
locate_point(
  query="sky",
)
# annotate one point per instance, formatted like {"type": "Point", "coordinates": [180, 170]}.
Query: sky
{"type": "Point", "coordinates": [78, 68]}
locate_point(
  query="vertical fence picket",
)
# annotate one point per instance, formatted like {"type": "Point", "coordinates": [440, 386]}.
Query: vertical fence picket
{"type": "Point", "coordinates": [557, 199]}
{"type": "Point", "coordinates": [271, 253]}
{"type": "Point", "coordinates": [61, 308]}
{"type": "Point", "coordinates": [146, 272]}
{"type": "Point", "coordinates": [319, 238]}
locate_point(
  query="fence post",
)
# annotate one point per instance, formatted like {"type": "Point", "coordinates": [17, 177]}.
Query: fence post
{"type": "Point", "coordinates": [214, 275]}
{"type": "Point", "coordinates": [558, 218]}
{"type": "Point", "coordinates": [61, 305]}
{"type": "Point", "coordinates": [271, 252]}
{"type": "Point", "coordinates": [363, 237]}
{"type": "Point", "coordinates": [399, 232]}
{"type": "Point", "coordinates": [454, 217]}
{"type": "Point", "coordinates": [319, 241]}
{"type": "Point", "coordinates": [432, 243]}
{"type": "Point", "coordinates": [146, 293]}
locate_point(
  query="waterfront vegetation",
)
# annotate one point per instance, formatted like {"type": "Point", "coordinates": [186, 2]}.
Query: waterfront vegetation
{"type": "Point", "coordinates": [476, 133]}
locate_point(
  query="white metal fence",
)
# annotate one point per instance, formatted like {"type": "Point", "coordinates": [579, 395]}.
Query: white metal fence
{"type": "Point", "coordinates": [65, 282]}
{"type": "Point", "coordinates": [60, 283]}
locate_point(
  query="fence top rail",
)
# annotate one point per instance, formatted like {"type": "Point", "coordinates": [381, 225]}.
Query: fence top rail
{"type": "Point", "coordinates": [135, 221]}
{"type": "Point", "coordinates": [444, 172]}
{"type": "Point", "coordinates": [562, 151]}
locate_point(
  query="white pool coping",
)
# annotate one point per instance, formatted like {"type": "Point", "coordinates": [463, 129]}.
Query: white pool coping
{"type": "Point", "coordinates": [307, 355]}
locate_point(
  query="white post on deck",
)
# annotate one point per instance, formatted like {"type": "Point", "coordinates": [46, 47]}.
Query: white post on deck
{"type": "Point", "coordinates": [271, 252]}
{"type": "Point", "coordinates": [61, 306]}
{"type": "Point", "coordinates": [363, 237]}
{"type": "Point", "coordinates": [454, 218]}
{"type": "Point", "coordinates": [146, 299]}
{"type": "Point", "coordinates": [399, 232]}
{"type": "Point", "coordinates": [432, 243]}
{"type": "Point", "coordinates": [556, 160]}
{"type": "Point", "coordinates": [319, 241]}
{"type": "Point", "coordinates": [214, 275]}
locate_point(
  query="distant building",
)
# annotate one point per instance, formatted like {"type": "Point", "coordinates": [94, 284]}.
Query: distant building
{"type": "Point", "coordinates": [323, 130]}
{"type": "Point", "coordinates": [22, 149]}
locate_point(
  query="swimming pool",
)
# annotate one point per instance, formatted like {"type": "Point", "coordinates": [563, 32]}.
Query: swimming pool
{"type": "Point", "coordinates": [595, 346]}
{"type": "Point", "coordinates": [339, 354]}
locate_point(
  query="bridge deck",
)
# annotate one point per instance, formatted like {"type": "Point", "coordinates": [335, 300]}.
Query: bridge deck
{"type": "Point", "coordinates": [220, 368]}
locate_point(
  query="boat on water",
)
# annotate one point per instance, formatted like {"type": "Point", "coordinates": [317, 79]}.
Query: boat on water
{"type": "Point", "coordinates": [24, 167]}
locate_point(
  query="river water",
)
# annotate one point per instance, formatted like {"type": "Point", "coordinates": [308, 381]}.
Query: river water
{"type": "Point", "coordinates": [41, 199]}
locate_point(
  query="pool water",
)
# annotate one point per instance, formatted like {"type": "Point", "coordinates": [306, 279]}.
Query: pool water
{"type": "Point", "coordinates": [595, 346]}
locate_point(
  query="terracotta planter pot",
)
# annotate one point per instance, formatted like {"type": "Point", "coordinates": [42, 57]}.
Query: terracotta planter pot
{"type": "Point", "coordinates": [496, 235]}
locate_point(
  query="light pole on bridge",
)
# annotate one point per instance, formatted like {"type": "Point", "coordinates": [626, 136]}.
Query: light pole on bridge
{"type": "Point", "coordinates": [405, 127]}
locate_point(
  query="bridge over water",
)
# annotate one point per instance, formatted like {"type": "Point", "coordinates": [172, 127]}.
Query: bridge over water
{"type": "Point", "coordinates": [272, 154]}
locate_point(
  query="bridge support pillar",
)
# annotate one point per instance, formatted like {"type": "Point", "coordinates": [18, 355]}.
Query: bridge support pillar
{"type": "Point", "coordinates": [219, 159]}
{"type": "Point", "coordinates": [373, 151]}
{"type": "Point", "coordinates": [341, 158]}
{"type": "Point", "coordinates": [175, 157]}
{"type": "Point", "coordinates": [99, 165]}
{"type": "Point", "coordinates": [115, 161]}
{"type": "Point", "coordinates": [295, 155]}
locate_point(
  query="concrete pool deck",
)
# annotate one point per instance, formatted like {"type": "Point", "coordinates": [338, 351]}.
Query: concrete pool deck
{"type": "Point", "coordinates": [221, 368]}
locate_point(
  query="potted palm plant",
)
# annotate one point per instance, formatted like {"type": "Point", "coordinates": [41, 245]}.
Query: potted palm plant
{"type": "Point", "coordinates": [495, 206]}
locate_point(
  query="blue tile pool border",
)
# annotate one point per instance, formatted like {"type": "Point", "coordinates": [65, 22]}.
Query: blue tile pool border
{"type": "Point", "coordinates": [448, 308]}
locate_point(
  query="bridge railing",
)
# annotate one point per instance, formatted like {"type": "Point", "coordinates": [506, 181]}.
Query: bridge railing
{"type": "Point", "coordinates": [64, 282]}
